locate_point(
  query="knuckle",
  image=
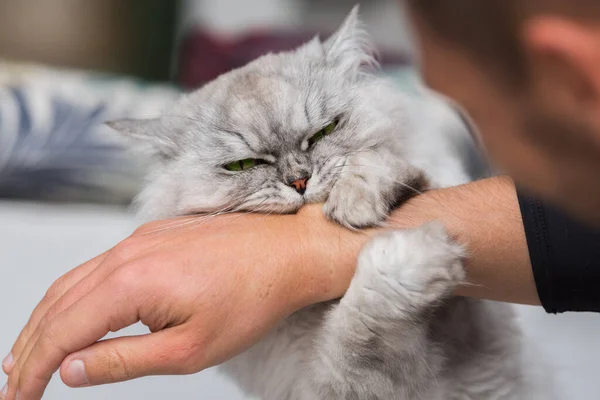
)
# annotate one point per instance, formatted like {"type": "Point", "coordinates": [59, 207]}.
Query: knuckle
{"type": "Point", "coordinates": [48, 331]}
{"type": "Point", "coordinates": [118, 368]}
{"type": "Point", "coordinates": [126, 250]}
{"type": "Point", "coordinates": [51, 313]}
{"type": "Point", "coordinates": [44, 322]}
{"type": "Point", "coordinates": [56, 289]}
{"type": "Point", "coordinates": [189, 355]}
{"type": "Point", "coordinates": [128, 277]}
{"type": "Point", "coordinates": [49, 335]}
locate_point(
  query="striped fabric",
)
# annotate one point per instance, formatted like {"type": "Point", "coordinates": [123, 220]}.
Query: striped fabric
{"type": "Point", "coordinates": [53, 144]}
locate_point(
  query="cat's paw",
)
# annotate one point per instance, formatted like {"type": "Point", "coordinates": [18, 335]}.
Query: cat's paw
{"type": "Point", "coordinates": [413, 268]}
{"type": "Point", "coordinates": [352, 204]}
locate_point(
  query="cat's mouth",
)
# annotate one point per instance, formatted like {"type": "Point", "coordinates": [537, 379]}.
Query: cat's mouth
{"type": "Point", "coordinates": [289, 204]}
{"type": "Point", "coordinates": [286, 199]}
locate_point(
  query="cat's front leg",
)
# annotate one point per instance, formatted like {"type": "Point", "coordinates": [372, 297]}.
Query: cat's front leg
{"type": "Point", "coordinates": [376, 344]}
{"type": "Point", "coordinates": [368, 188]}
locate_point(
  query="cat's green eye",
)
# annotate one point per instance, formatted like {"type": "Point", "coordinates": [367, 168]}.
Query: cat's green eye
{"type": "Point", "coordinates": [242, 165]}
{"type": "Point", "coordinates": [323, 132]}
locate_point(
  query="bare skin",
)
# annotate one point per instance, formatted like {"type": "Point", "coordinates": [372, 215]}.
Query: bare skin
{"type": "Point", "coordinates": [210, 289]}
{"type": "Point", "coordinates": [232, 284]}
{"type": "Point", "coordinates": [485, 217]}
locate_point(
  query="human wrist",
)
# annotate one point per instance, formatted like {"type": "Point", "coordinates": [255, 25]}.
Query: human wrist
{"type": "Point", "coordinates": [327, 256]}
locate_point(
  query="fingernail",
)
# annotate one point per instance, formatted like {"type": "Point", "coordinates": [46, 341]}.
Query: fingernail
{"type": "Point", "coordinates": [7, 362]}
{"type": "Point", "coordinates": [75, 374]}
{"type": "Point", "coordinates": [4, 391]}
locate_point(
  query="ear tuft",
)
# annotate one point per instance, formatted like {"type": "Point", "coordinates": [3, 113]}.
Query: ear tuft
{"type": "Point", "coordinates": [312, 49]}
{"type": "Point", "coordinates": [136, 128]}
{"type": "Point", "coordinates": [151, 132]}
{"type": "Point", "coordinates": [350, 47]}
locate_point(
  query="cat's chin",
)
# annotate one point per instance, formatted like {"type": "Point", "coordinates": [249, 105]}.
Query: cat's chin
{"type": "Point", "coordinates": [291, 204]}
{"type": "Point", "coordinates": [312, 198]}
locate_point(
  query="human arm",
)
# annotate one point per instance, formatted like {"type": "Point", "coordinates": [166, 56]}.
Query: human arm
{"type": "Point", "coordinates": [196, 282]}
{"type": "Point", "coordinates": [483, 215]}
{"type": "Point", "coordinates": [520, 250]}
{"type": "Point", "coordinates": [214, 286]}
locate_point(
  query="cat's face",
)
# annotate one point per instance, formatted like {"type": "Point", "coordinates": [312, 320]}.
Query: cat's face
{"type": "Point", "coordinates": [268, 137]}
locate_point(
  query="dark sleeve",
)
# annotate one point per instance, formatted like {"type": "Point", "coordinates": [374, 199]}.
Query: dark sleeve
{"type": "Point", "coordinates": [565, 256]}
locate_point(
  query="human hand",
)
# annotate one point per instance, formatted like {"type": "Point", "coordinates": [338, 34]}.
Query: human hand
{"type": "Point", "coordinates": [207, 288]}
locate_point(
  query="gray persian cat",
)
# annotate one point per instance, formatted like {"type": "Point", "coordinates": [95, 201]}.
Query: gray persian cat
{"type": "Point", "coordinates": [317, 125]}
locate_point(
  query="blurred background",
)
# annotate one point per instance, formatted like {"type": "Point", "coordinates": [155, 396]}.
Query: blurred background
{"type": "Point", "coordinates": [67, 66]}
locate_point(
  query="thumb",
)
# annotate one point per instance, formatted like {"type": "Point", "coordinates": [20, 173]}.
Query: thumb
{"type": "Point", "coordinates": [167, 352]}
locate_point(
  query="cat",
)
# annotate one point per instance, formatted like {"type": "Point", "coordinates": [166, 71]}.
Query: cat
{"type": "Point", "coordinates": [318, 124]}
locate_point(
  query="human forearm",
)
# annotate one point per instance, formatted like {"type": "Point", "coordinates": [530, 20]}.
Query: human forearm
{"type": "Point", "coordinates": [485, 217]}
{"type": "Point", "coordinates": [482, 215]}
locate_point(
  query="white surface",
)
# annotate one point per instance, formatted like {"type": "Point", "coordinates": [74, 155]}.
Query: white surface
{"type": "Point", "coordinates": [38, 243]}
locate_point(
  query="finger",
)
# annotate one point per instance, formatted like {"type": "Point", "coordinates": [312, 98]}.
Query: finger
{"type": "Point", "coordinates": [80, 289]}
{"type": "Point", "coordinates": [56, 291]}
{"type": "Point", "coordinates": [167, 352]}
{"type": "Point", "coordinates": [75, 328]}
{"type": "Point", "coordinates": [98, 269]}
{"type": "Point", "coordinates": [125, 252]}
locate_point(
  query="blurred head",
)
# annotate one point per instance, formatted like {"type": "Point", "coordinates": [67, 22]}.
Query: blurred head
{"type": "Point", "coordinates": [528, 73]}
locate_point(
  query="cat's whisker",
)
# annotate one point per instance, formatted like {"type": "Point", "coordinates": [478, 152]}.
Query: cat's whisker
{"type": "Point", "coordinates": [200, 218]}
{"type": "Point", "coordinates": [433, 375]}
{"type": "Point", "coordinates": [255, 207]}
{"type": "Point", "coordinates": [195, 220]}
{"type": "Point", "coordinates": [172, 224]}
{"type": "Point", "coordinates": [257, 210]}
{"type": "Point", "coordinates": [192, 219]}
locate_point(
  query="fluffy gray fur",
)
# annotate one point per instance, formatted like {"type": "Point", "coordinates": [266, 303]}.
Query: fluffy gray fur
{"type": "Point", "coordinates": [397, 333]}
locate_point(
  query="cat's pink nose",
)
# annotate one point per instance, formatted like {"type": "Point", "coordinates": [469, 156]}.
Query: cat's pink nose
{"type": "Point", "coordinates": [299, 184]}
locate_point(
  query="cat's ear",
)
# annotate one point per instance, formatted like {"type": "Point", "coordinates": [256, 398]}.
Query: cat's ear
{"type": "Point", "coordinates": [311, 49]}
{"type": "Point", "coordinates": [349, 48]}
{"type": "Point", "coordinates": [150, 132]}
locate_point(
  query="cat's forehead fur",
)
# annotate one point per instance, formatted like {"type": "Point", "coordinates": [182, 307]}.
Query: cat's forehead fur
{"type": "Point", "coordinates": [255, 101]}
{"type": "Point", "coordinates": [272, 102]}
{"type": "Point", "coordinates": [278, 96]}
